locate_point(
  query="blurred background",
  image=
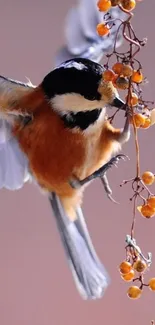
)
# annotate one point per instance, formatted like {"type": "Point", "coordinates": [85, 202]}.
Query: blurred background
{"type": "Point", "coordinates": [36, 286]}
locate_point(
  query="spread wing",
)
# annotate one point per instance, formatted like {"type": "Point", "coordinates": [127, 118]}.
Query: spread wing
{"type": "Point", "coordinates": [14, 171]}
{"type": "Point", "coordinates": [80, 32]}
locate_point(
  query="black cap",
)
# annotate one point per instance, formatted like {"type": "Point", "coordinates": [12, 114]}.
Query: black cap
{"type": "Point", "coordinates": [81, 76]}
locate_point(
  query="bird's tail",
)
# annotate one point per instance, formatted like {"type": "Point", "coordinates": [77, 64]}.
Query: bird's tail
{"type": "Point", "coordinates": [89, 274]}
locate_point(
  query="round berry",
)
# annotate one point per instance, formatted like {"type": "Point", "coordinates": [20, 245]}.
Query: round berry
{"type": "Point", "coordinates": [125, 267]}
{"type": "Point", "coordinates": [128, 4]}
{"type": "Point", "coordinates": [117, 68]}
{"type": "Point", "coordinates": [129, 276]}
{"type": "Point", "coordinates": [152, 284]}
{"type": "Point", "coordinates": [147, 123]}
{"type": "Point", "coordinates": [151, 202]}
{"type": "Point", "coordinates": [133, 101]}
{"type": "Point", "coordinates": [104, 5]}
{"type": "Point", "coordinates": [140, 266]}
{"type": "Point", "coordinates": [148, 178]}
{"type": "Point", "coordinates": [134, 292]}
{"type": "Point", "coordinates": [108, 75]}
{"type": "Point", "coordinates": [147, 211]}
{"type": "Point", "coordinates": [127, 70]}
{"type": "Point", "coordinates": [102, 29]}
{"type": "Point", "coordinates": [139, 120]}
{"type": "Point", "coordinates": [137, 76]}
{"type": "Point", "coordinates": [122, 83]}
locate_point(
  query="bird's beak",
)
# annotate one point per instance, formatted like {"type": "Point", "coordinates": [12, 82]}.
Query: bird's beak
{"type": "Point", "coordinates": [118, 103]}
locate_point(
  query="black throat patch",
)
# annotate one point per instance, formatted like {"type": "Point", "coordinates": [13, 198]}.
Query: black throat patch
{"type": "Point", "coordinates": [81, 120]}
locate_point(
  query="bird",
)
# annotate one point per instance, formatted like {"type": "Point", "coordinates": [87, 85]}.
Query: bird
{"type": "Point", "coordinates": [57, 135]}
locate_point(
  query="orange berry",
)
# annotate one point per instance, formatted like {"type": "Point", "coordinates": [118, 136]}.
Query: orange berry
{"type": "Point", "coordinates": [129, 276]}
{"type": "Point", "coordinates": [115, 2]}
{"type": "Point", "coordinates": [117, 67]}
{"type": "Point", "coordinates": [151, 202]}
{"type": "Point", "coordinates": [147, 123]}
{"type": "Point", "coordinates": [108, 75]}
{"type": "Point", "coordinates": [104, 5]}
{"type": "Point", "coordinates": [127, 70]}
{"type": "Point", "coordinates": [125, 267]}
{"type": "Point", "coordinates": [152, 284]}
{"type": "Point", "coordinates": [133, 99]}
{"type": "Point", "coordinates": [139, 120]}
{"type": "Point", "coordinates": [122, 83]}
{"type": "Point", "coordinates": [102, 29]}
{"type": "Point", "coordinates": [114, 80]}
{"type": "Point", "coordinates": [139, 265]}
{"type": "Point", "coordinates": [148, 178]}
{"type": "Point", "coordinates": [137, 76]}
{"type": "Point", "coordinates": [134, 292]}
{"type": "Point", "coordinates": [128, 4]}
{"type": "Point", "coordinates": [147, 211]}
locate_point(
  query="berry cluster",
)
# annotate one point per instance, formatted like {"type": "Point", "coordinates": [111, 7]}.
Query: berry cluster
{"type": "Point", "coordinates": [135, 272]}
{"type": "Point", "coordinates": [142, 121]}
{"type": "Point", "coordinates": [126, 74]}
{"type": "Point", "coordinates": [148, 208]}
{"type": "Point", "coordinates": [104, 5]}
{"type": "Point", "coordinates": [120, 74]}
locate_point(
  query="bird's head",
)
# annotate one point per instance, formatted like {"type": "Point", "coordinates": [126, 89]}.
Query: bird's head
{"type": "Point", "coordinates": [77, 85]}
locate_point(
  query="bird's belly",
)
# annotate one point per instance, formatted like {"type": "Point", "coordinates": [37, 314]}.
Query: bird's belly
{"type": "Point", "coordinates": [96, 155]}
{"type": "Point", "coordinates": [90, 160]}
{"type": "Point", "coordinates": [53, 156]}
{"type": "Point", "coordinates": [56, 154]}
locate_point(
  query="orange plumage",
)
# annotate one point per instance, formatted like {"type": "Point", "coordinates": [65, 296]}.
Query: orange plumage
{"type": "Point", "coordinates": [57, 154]}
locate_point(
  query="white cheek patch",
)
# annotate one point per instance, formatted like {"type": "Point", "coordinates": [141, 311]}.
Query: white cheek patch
{"type": "Point", "coordinates": [74, 102]}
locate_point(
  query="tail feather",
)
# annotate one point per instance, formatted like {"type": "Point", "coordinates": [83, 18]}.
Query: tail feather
{"type": "Point", "coordinates": [89, 274]}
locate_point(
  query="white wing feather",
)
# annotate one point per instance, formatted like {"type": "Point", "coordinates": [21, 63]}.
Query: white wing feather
{"type": "Point", "coordinates": [13, 165]}
{"type": "Point", "coordinates": [14, 171]}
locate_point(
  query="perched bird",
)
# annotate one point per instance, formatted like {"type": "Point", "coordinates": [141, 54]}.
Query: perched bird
{"type": "Point", "coordinates": [57, 135]}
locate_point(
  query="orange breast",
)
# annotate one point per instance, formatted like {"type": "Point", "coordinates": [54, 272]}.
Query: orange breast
{"type": "Point", "coordinates": [53, 150]}
{"type": "Point", "coordinates": [55, 153]}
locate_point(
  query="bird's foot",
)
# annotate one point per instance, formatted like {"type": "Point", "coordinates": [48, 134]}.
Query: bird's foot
{"type": "Point", "coordinates": [101, 172]}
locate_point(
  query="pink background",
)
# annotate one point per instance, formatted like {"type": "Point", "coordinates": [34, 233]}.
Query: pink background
{"type": "Point", "coordinates": [36, 286]}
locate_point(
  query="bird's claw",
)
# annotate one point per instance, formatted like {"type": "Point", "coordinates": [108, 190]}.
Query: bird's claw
{"type": "Point", "coordinates": [76, 184]}
{"type": "Point", "coordinates": [111, 199]}
{"type": "Point", "coordinates": [115, 160]}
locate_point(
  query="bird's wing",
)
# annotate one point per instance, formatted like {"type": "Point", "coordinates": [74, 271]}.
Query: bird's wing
{"type": "Point", "coordinates": [14, 170]}
{"type": "Point", "coordinates": [81, 39]}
